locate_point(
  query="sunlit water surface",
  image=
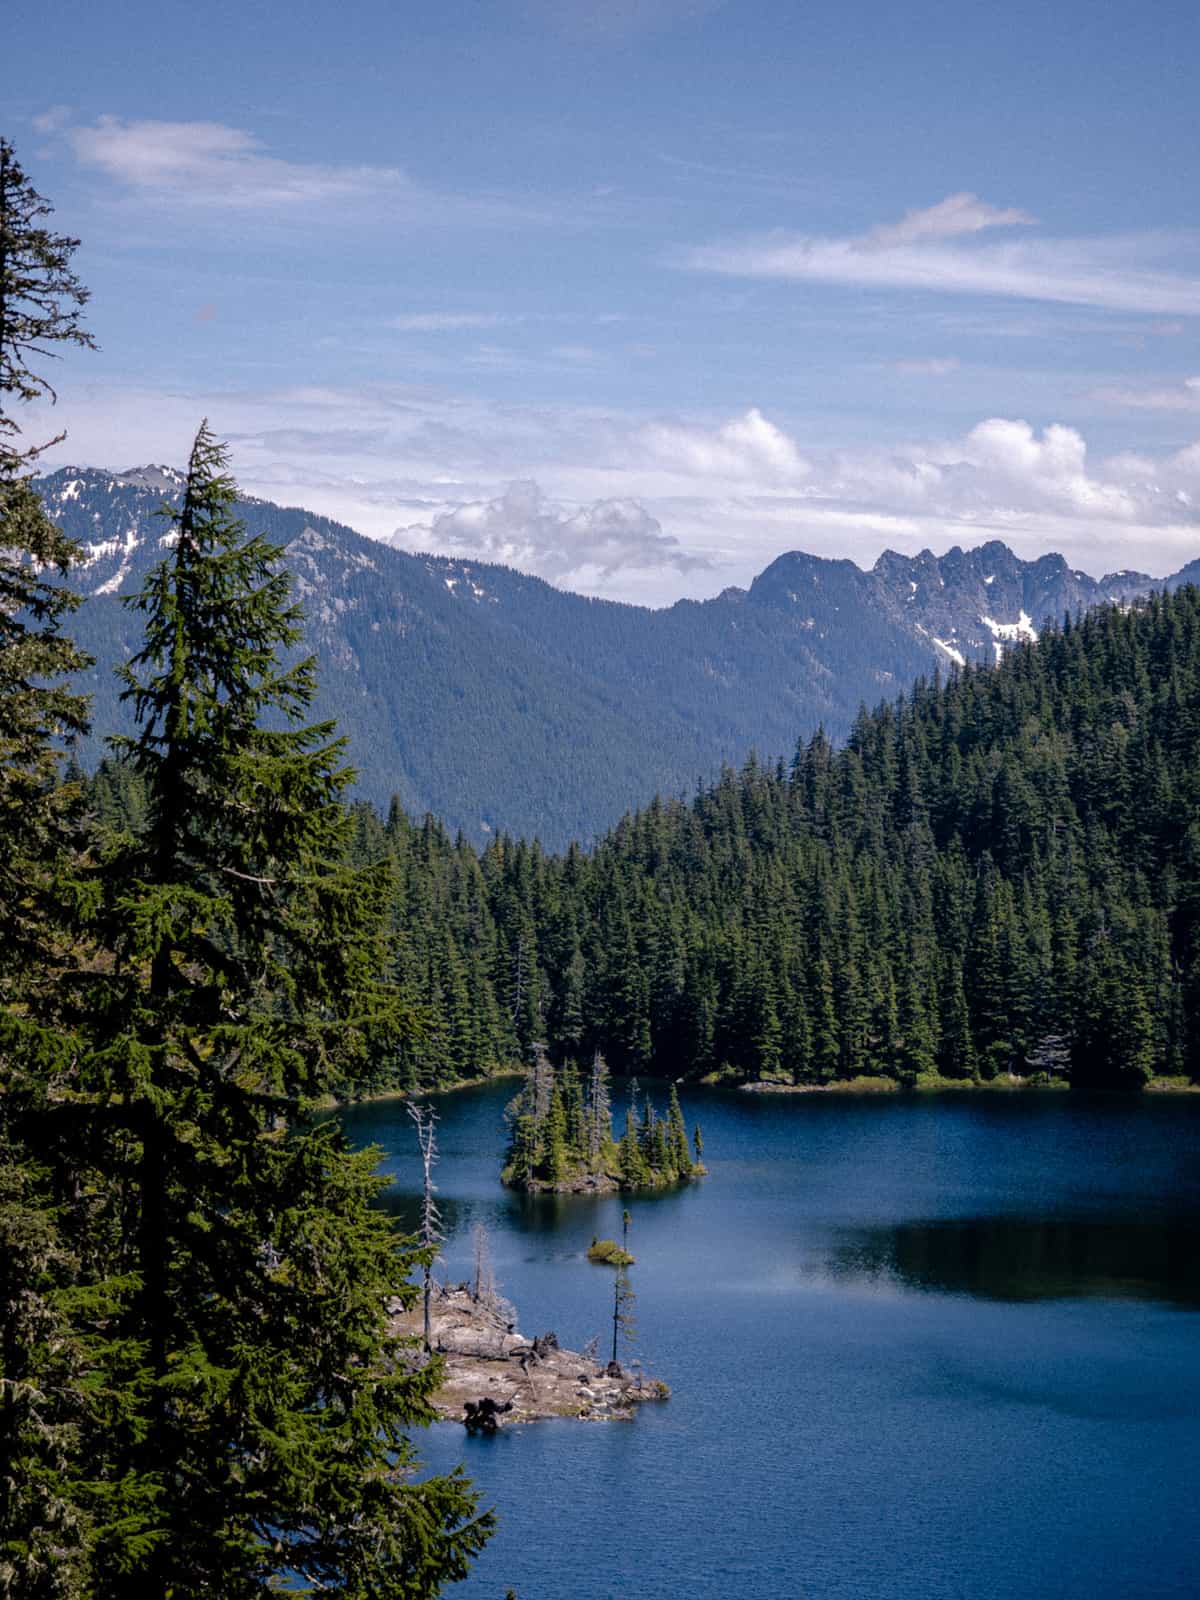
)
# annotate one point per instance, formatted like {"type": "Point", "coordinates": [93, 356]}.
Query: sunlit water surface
{"type": "Point", "coordinates": [928, 1347]}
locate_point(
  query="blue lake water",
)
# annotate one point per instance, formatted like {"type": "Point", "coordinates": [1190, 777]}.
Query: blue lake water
{"type": "Point", "coordinates": [945, 1348]}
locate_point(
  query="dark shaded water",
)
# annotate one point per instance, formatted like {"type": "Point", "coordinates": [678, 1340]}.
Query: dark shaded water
{"type": "Point", "coordinates": [920, 1348]}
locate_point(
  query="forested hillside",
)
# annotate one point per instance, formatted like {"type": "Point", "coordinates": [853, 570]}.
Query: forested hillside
{"type": "Point", "coordinates": [1000, 874]}
{"type": "Point", "coordinates": [502, 704]}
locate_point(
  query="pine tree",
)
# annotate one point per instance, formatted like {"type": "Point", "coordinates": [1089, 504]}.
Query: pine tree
{"type": "Point", "coordinates": [680, 1158]}
{"type": "Point", "coordinates": [624, 1326]}
{"type": "Point", "coordinates": [41, 298]}
{"type": "Point", "coordinates": [244, 980]}
{"type": "Point", "coordinates": [53, 1381]}
{"type": "Point", "coordinates": [557, 1151]}
{"type": "Point", "coordinates": [630, 1161]}
{"type": "Point", "coordinates": [41, 305]}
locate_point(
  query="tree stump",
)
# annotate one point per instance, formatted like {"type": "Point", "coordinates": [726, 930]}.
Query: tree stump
{"type": "Point", "coordinates": [483, 1416]}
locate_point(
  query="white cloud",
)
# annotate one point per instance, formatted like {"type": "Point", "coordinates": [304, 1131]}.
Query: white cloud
{"type": "Point", "coordinates": [955, 215]}
{"type": "Point", "coordinates": [919, 252]}
{"type": "Point", "coordinates": [208, 163]}
{"type": "Point", "coordinates": [1007, 457]}
{"type": "Point", "coordinates": [212, 166]}
{"type": "Point", "coordinates": [521, 528]}
{"type": "Point", "coordinates": [748, 447]}
{"type": "Point", "coordinates": [646, 509]}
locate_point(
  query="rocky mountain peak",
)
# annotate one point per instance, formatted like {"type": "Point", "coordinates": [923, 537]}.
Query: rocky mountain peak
{"type": "Point", "coordinates": [461, 684]}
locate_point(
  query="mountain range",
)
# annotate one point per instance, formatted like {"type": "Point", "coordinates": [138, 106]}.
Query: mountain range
{"type": "Point", "coordinates": [499, 703]}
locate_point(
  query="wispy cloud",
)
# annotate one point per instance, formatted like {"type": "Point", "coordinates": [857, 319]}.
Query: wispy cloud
{"type": "Point", "coordinates": [956, 215]}
{"type": "Point", "coordinates": [53, 119]}
{"type": "Point", "coordinates": [1183, 396]}
{"type": "Point", "coordinates": [208, 163]}
{"type": "Point", "coordinates": [210, 166]}
{"type": "Point", "coordinates": [920, 252]}
{"type": "Point", "coordinates": [928, 366]}
{"type": "Point", "coordinates": [449, 321]}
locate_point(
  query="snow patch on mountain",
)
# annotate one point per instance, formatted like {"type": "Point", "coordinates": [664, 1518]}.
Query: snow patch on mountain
{"type": "Point", "coordinates": [1022, 628]}
{"type": "Point", "coordinates": [110, 547]}
{"type": "Point", "coordinates": [955, 655]}
{"type": "Point", "coordinates": [1010, 632]}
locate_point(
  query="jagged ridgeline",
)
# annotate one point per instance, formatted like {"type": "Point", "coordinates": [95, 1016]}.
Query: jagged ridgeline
{"type": "Point", "coordinates": [502, 704]}
{"type": "Point", "coordinates": [561, 1134]}
{"type": "Point", "coordinates": [998, 875]}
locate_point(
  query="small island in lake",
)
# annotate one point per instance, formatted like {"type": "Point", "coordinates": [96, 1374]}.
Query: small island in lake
{"type": "Point", "coordinates": [562, 1136]}
{"type": "Point", "coordinates": [495, 1376]}
{"type": "Point", "coordinates": [608, 1253]}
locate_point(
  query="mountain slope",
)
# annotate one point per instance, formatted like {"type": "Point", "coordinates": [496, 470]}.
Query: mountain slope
{"type": "Point", "coordinates": [500, 703]}
{"type": "Point", "coordinates": [997, 877]}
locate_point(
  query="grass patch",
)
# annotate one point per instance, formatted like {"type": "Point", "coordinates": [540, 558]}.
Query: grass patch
{"type": "Point", "coordinates": [609, 1253]}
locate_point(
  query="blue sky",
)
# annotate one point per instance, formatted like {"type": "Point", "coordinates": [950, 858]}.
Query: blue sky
{"type": "Point", "coordinates": [640, 294]}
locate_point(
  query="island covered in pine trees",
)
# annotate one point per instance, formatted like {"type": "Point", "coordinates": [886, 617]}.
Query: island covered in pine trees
{"type": "Point", "coordinates": [561, 1138]}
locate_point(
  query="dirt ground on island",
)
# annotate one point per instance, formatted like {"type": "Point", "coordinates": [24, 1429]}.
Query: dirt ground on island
{"type": "Point", "coordinates": [487, 1358]}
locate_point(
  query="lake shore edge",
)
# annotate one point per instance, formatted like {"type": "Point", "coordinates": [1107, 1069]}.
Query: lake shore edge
{"type": "Point", "coordinates": [493, 1376]}
{"type": "Point", "coordinates": [1006, 1085]}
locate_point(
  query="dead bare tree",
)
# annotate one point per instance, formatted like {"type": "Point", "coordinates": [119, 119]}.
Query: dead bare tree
{"type": "Point", "coordinates": [485, 1277]}
{"type": "Point", "coordinates": [599, 1109]}
{"type": "Point", "coordinates": [425, 1118]}
{"type": "Point", "coordinates": [485, 1290]}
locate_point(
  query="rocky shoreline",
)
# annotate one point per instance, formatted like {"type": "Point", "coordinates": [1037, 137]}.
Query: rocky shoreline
{"type": "Point", "coordinates": [495, 1376]}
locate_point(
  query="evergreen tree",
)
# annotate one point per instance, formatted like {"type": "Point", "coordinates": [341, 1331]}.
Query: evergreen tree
{"type": "Point", "coordinates": [41, 305]}
{"type": "Point", "coordinates": [53, 1380]}
{"type": "Point", "coordinates": [679, 1156]}
{"type": "Point", "coordinates": [624, 1299]}
{"type": "Point", "coordinates": [41, 298]}
{"type": "Point", "coordinates": [244, 979]}
{"type": "Point", "coordinates": [633, 1167]}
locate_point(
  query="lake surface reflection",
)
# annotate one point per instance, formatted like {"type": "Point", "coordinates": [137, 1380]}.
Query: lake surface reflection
{"type": "Point", "coordinates": [1030, 1258]}
{"type": "Point", "coordinates": [919, 1348]}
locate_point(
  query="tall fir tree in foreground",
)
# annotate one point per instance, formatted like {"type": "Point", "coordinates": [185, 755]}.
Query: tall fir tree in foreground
{"type": "Point", "coordinates": [241, 979]}
{"type": "Point", "coordinates": [51, 1379]}
{"type": "Point", "coordinates": [41, 304]}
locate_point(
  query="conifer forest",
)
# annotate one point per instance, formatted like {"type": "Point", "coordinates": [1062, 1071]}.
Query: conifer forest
{"type": "Point", "coordinates": [996, 874]}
